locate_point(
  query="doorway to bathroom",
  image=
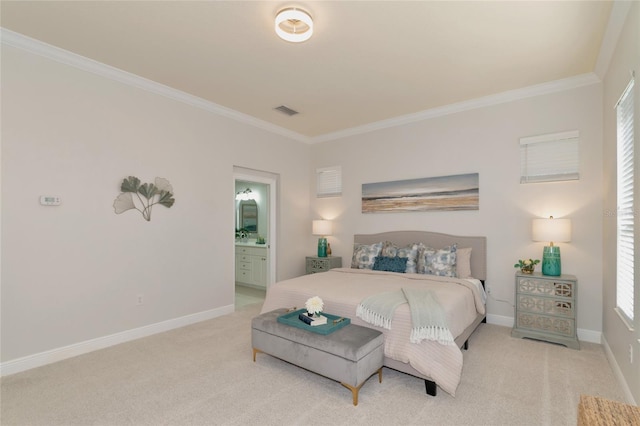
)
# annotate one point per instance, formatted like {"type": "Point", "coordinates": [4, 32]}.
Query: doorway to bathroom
{"type": "Point", "coordinates": [255, 234]}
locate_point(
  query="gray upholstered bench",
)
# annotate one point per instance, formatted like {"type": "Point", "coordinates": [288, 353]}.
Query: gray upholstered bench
{"type": "Point", "coordinates": [349, 355]}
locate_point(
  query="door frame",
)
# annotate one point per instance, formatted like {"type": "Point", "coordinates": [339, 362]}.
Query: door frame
{"type": "Point", "coordinates": [271, 180]}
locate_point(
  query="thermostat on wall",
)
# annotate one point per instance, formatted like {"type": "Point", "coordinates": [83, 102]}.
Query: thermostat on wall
{"type": "Point", "coordinates": [47, 200]}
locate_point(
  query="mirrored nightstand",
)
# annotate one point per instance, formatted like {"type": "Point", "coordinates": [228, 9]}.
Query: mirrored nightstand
{"type": "Point", "coordinates": [546, 308]}
{"type": "Point", "coordinates": [322, 264]}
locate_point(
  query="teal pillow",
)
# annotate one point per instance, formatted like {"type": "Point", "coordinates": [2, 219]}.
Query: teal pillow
{"type": "Point", "coordinates": [390, 264]}
{"type": "Point", "coordinates": [411, 252]}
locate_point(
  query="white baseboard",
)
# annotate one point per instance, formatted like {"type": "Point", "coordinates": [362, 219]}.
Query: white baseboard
{"type": "Point", "coordinates": [500, 320]}
{"type": "Point", "coordinates": [59, 354]}
{"type": "Point", "coordinates": [590, 336]}
{"type": "Point", "coordinates": [617, 372]}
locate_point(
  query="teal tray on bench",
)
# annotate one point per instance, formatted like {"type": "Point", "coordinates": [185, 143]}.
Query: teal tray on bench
{"type": "Point", "coordinates": [291, 318]}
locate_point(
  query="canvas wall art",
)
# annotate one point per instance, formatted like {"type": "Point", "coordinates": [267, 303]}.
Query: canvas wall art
{"type": "Point", "coordinates": [455, 192]}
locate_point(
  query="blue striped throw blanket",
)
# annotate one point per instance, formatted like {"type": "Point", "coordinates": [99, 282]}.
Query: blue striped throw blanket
{"type": "Point", "coordinates": [428, 319]}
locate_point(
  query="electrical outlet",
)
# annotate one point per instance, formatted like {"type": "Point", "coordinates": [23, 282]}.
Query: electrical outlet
{"type": "Point", "coordinates": [140, 300]}
{"type": "Point", "coordinates": [630, 353]}
{"type": "Point", "coordinates": [488, 289]}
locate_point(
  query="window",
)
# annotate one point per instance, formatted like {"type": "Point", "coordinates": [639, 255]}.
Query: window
{"type": "Point", "coordinates": [329, 182]}
{"type": "Point", "coordinates": [625, 211]}
{"type": "Point", "coordinates": [548, 158]}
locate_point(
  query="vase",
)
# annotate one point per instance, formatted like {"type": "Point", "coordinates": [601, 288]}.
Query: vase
{"type": "Point", "coordinates": [322, 247]}
{"type": "Point", "coordinates": [526, 270]}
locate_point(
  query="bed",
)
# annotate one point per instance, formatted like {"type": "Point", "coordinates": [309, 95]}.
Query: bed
{"type": "Point", "coordinates": [462, 298]}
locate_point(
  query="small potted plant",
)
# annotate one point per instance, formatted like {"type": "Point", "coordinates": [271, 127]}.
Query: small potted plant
{"type": "Point", "coordinates": [527, 265]}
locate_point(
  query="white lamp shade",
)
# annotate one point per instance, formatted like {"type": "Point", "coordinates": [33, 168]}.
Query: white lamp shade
{"type": "Point", "coordinates": [552, 230]}
{"type": "Point", "coordinates": [321, 227]}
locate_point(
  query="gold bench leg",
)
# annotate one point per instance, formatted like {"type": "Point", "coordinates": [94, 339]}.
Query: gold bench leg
{"type": "Point", "coordinates": [255, 351]}
{"type": "Point", "coordinates": [356, 390]}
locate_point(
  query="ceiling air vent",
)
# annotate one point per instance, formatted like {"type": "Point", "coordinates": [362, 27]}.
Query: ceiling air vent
{"type": "Point", "coordinates": [286, 110]}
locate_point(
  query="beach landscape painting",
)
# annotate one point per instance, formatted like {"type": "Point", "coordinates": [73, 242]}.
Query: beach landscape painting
{"type": "Point", "coordinates": [442, 193]}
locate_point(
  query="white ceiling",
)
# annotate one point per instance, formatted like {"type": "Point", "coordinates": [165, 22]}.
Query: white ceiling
{"type": "Point", "coordinates": [367, 61]}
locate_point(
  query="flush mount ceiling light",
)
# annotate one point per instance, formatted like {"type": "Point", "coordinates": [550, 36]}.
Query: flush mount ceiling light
{"type": "Point", "coordinates": [294, 25]}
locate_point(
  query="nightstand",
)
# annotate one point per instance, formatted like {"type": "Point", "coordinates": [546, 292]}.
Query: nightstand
{"type": "Point", "coordinates": [322, 264]}
{"type": "Point", "coordinates": [546, 308]}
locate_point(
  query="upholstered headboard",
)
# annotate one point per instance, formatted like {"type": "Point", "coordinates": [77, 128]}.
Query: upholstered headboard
{"type": "Point", "coordinates": [436, 240]}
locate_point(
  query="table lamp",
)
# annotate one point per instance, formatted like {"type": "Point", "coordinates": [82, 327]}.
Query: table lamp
{"type": "Point", "coordinates": [551, 230]}
{"type": "Point", "coordinates": [322, 228]}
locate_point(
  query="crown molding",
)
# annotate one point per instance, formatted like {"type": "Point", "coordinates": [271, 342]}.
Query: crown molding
{"type": "Point", "coordinates": [57, 54]}
{"type": "Point", "coordinates": [499, 98]}
{"type": "Point", "coordinates": [28, 44]}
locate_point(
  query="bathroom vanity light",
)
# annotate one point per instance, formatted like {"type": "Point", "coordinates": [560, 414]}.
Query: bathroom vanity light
{"type": "Point", "coordinates": [245, 195]}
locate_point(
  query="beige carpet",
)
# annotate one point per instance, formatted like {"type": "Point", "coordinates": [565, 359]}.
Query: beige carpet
{"type": "Point", "coordinates": [247, 295]}
{"type": "Point", "coordinates": [203, 374]}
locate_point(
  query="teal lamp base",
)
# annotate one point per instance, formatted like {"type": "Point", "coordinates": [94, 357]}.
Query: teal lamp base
{"type": "Point", "coordinates": [551, 264]}
{"type": "Point", "coordinates": [322, 247]}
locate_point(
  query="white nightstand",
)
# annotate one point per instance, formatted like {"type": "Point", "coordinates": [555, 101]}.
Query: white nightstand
{"type": "Point", "coordinates": [546, 308]}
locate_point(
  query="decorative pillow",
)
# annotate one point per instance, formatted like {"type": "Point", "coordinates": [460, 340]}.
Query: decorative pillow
{"type": "Point", "coordinates": [409, 252]}
{"type": "Point", "coordinates": [390, 264]}
{"type": "Point", "coordinates": [422, 256]}
{"type": "Point", "coordinates": [440, 262]}
{"type": "Point", "coordinates": [364, 255]}
{"type": "Point", "coordinates": [463, 262]}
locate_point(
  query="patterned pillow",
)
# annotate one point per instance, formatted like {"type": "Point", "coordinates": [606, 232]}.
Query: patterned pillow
{"type": "Point", "coordinates": [409, 252]}
{"type": "Point", "coordinates": [390, 264]}
{"type": "Point", "coordinates": [440, 262]}
{"type": "Point", "coordinates": [364, 255]}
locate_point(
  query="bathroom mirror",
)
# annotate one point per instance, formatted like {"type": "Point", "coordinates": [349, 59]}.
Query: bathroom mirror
{"type": "Point", "coordinates": [249, 216]}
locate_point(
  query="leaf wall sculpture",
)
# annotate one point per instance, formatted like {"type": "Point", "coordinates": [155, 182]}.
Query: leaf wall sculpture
{"type": "Point", "coordinates": [143, 197]}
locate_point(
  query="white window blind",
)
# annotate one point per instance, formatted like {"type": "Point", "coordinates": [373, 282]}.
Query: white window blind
{"type": "Point", "coordinates": [329, 181]}
{"type": "Point", "coordinates": [552, 157]}
{"type": "Point", "coordinates": [625, 211]}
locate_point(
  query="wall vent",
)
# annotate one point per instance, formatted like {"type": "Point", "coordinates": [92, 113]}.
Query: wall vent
{"type": "Point", "coordinates": [286, 110]}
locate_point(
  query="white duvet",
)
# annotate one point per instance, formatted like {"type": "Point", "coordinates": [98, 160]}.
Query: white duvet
{"type": "Point", "coordinates": [342, 289]}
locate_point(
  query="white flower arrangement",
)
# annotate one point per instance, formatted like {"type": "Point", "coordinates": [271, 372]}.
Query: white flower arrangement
{"type": "Point", "coordinates": [314, 305]}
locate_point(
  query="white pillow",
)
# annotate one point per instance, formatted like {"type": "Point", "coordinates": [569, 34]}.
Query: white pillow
{"type": "Point", "coordinates": [463, 262]}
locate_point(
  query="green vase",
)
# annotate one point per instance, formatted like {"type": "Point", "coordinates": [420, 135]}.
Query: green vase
{"type": "Point", "coordinates": [551, 264]}
{"type": "Point", "coordinates": [322, 247]}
